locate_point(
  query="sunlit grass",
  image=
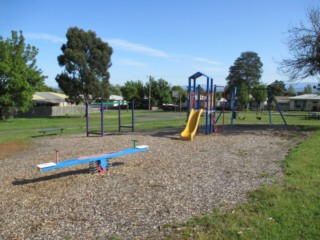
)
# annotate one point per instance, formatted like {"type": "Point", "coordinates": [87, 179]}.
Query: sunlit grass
{"type": "Point", "coordinates": [288, 210]}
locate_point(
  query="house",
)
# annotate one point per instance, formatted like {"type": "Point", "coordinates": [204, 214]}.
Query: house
{"type": "Point", "coordinates": [41, 99]}
{"type": "Point", "coordinates": [47, 104]}
{"type": "Point", "coordinates": [117, 100]}
{"type": "Point", "coordinates": [283, 102]}
{"type": "Point", "coordinates": [305, 102]}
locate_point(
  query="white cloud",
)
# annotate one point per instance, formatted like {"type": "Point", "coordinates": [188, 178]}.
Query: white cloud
{"type": "Point", "coordinates": [210, 70]}
{"type": "Point", "coordinates": [135, 47]}
{"type": "Point", "coordinates": [44, 36]}
{"type": "Point", "coordinates": [200, 59]}
{"type": "Point", "coordinates": [129, 62]}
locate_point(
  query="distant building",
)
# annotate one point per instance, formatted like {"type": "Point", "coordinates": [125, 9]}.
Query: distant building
{"type": "Point", "coordinates": [283, 102]}
{"type": "Point", "coordinates": [115, 98]}
{"type": "Point", "coordinates": [305, 102]}
{"type": "Point", "coordinates": [42, 99]}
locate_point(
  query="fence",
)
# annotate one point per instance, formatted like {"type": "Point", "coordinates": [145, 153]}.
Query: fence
{"type": "Point", "coordinates": [54, 111]}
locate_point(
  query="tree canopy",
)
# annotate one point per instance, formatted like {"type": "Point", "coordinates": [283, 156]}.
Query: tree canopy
{"type": "Point", "coordinates": [20, 77]}
{"type": "Point", "coordinates": [291, 91]}
{"type": "Point", "coordinates": [182, 93]}
{"type": "Point", "coordinates": [133, 91]}
{"type": "Point", "coordinates": [243, 97]}
{"type": "Point", "coordinates": [86, 60]}
{"type": "Point", "coordinates": [304, 45]}
{"type": "Point", "coordinates": [160, 90]}
{"type": "Point", "coordinates": [246, 71]}
{"type": "Point", "coordinates": [259, 93]}
{"type": "Point", "coordinates": [307, 89]}
{"type": "Point", "coordinates": [278, 88]}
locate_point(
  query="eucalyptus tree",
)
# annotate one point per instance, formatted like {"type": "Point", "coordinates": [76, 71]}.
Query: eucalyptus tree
{"type": "Point", "coordinates": [246, 71]}
{"type": "Point", "coordinates": [278, 88]}
{"type": "Point", "coordinates": [86, 60]}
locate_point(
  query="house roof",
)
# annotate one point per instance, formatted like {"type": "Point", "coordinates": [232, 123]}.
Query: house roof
{"type": "Point", "coordinates": [312, 97]}
{"type": "Point", "coordinates": [49, 97]}
{"type": "Point", "coordinates": [116, 98]}
{"type": "Point", "coordinates": [282, 99]}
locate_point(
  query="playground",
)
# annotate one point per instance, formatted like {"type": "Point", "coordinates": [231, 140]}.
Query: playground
{"type": "Point", "coordinates": [172, 181]}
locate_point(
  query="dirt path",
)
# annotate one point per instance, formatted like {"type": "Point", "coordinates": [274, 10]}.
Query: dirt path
{"type": "Point", "coordinates": [9, 149]}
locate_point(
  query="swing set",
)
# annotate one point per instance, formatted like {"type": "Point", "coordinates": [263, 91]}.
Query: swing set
{"type": "Point", "coordinates": [245, 98]}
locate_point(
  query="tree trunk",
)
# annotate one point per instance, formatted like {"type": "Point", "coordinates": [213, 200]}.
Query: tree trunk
{"type": "Point", "coordinates": [1, 114]}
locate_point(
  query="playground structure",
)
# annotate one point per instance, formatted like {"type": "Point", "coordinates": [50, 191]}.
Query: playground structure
{"type": "Point", "coordinates": [270, 99]}
{"type": "Point", "coordinates": [97, 162]}
{"type": "Point", "coordinates": [199, 103]}
{"type": "Point", "coordinates": [205, 102]}
{"type": "Point", "coordinates": [103, 106]}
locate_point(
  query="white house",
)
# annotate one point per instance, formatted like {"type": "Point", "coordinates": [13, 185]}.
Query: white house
{"type": "Point", "coordinates": [117, 99]}
{"type": "Point", "coordinates": [305, 102]}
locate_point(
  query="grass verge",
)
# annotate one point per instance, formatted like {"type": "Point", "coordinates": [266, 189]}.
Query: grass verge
{"type": "Point", "coordinates": [288, 210]}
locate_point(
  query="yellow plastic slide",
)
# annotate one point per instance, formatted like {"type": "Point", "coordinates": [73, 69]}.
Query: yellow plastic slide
{"type": "Point", "coordinates": [192, 125]}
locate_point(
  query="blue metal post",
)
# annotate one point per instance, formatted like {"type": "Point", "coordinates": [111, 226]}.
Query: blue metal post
{"type": "Point", "coordinates": [270, 95]}
{"type": "Point", "coordinates": [194, 94]}
{"type": "Point", "coordinates": [233, 103]}
{"type": "Point", "coordinates": [207, 108]}
{"type": "Point", "coordinates": [211, 106]}
{"type": "Point", "coordinates": [214, 102]}
{"type": "Point", "coordinates": [198, 101]}
{"type": "Point", "coordinates": [269, 107]}
{"type": "Point", "coordinates": [132, 115]}
{"type": "Point", "coordinates": [102, 119]}
{"type": "Point", "coordinates": [279, 110]}
{"type": "Point", "coordinates": [119, 117]}
{"type": "Point", "coordinates": [87, 119]}
{"type": "Point", "coordinates": [104, 163]}
{"type": "Point", "coordinates": [189, 94]}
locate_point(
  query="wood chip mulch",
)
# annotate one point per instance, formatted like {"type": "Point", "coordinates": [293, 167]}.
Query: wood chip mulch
{"type": "Point", "coordinates": [171, 182]}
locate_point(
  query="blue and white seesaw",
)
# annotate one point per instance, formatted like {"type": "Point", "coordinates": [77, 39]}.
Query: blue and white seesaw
{"type": "Point", "coordinates": [99, 160]}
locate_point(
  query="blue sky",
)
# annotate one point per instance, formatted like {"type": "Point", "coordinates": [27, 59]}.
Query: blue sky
{"type": "Point", "coordinates": [169, 39]}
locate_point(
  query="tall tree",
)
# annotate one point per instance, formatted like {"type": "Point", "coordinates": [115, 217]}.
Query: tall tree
{"type": "Point", "coordinates": [307, 89]}
{"type": "Point", "coordinates": [243, 97]}
{"type": "Point", "coordinates": [182, 93]}
{"type": "Point", "coordinates": [19, 75]}
{"type": "Point", "coordinates": [291, 91]}
{"type": "Point", "coordinates": [133, 91]}
{"type": "Point", "coordinates": [246, 71]}
{"type": "Point", "coordinates": [304, 45]}
{"type": "Point", "coordinates": [115, 89]}
{"type": "Point", "coordinates": [86, 60]}
{"type": "Point", "coordinates": [160, 92]}
{"type": "Point", "coordinates": [259, 94]}
{"type": "Point", "coordinates": [278, 88]}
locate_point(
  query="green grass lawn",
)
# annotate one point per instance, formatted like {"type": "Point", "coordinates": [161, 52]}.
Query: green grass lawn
{"type": "Point", "coordinates": [22, 129]}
